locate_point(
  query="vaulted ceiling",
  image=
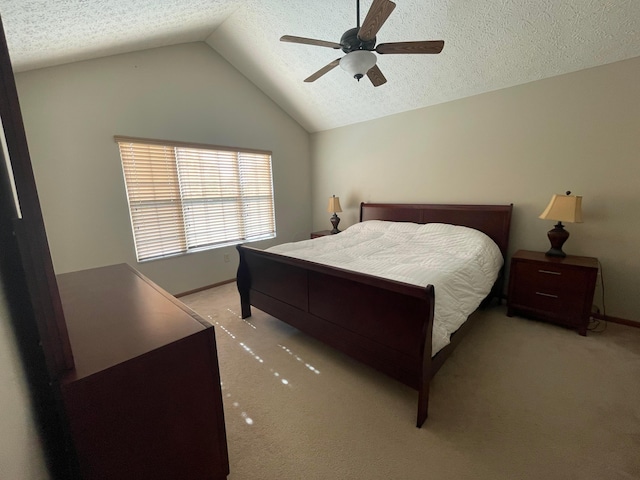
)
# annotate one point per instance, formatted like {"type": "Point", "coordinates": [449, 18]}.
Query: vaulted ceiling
{"type": "Point", "coordinates": [489, 44]}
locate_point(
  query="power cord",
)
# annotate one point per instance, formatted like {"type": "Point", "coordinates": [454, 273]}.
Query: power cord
{"type": "Point", "coordinates": [597, 325]}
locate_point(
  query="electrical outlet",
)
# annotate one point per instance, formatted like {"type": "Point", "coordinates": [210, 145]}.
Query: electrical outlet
{"type": "Point", "coordinates": [226, 258]}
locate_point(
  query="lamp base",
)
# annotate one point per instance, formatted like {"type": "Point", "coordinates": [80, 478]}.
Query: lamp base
{"type": "Point", "coordinates": [557, 236]}
{"type": "Point", "coordinates": [335, 220]}
{"type": "Point", "coordinates": [554, 252]}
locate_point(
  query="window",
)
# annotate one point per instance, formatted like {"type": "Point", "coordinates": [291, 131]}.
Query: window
{"type": "Point", "coordinates": [188, 197]}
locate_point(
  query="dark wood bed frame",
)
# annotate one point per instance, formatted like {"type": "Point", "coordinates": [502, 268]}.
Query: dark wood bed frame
{"type": "Point", "coordinates": [383, 323]}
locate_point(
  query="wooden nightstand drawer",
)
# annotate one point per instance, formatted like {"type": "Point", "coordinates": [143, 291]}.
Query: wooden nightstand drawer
{"type": "Point", "coordinates": [553, 289]}
{"type": "Point", "coordinates": [552, 278]}
{"type": "Point", "coordinates": [555, 304]}
{"type": "Point", "coordinates": [557, 292]}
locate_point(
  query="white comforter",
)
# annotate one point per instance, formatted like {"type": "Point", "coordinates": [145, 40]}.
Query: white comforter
{"type": "Point", "coordinates": [461, 263]}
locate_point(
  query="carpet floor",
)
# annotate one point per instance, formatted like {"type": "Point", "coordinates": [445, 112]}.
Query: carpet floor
{"type": "Point", "coordinates": [518, 399]}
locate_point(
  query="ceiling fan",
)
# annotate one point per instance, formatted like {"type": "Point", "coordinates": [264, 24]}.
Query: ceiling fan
{"type": "Point", "coordinates": [359, 43]}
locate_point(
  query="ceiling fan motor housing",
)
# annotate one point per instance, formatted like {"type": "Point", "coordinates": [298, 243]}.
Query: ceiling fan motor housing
{"type": "Point", "coordinates": [350, 41]}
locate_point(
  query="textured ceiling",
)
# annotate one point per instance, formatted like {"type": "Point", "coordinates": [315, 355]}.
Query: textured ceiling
{"type": "Point", "coordinates": [489, 44]}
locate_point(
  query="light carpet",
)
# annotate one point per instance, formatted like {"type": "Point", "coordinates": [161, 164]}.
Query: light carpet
{"type": "Point", "coordinates": [518, 399]}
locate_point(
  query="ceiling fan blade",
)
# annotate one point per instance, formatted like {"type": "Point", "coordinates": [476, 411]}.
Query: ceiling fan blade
{"type": "Point", "coordinates": [376, 76]}
{"type": "Point", "coordinates": [428, 46]}
{"type": "Point", "coordinates": [323, 70]}
{"type": "Point", "coordinates": [376, 16]}
{"type": "Point", "coordinates": [309, 41]}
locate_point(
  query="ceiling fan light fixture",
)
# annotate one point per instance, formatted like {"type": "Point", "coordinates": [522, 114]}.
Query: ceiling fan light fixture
{"type": "Point", "coordinates": [358, 63]}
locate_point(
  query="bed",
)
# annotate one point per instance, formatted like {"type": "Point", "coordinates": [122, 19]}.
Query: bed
{"type": "Point", "coordinates": [384, 323]}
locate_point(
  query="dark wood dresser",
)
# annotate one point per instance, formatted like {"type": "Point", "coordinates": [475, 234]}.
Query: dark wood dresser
{"type": "Point", "coordinates": [559, 290]}
{"type": "Point", "coordinates": [144, 399]}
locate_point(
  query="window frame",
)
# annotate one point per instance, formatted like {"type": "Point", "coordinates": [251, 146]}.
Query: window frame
{"type": "Point", "coordinates": [179, 194]}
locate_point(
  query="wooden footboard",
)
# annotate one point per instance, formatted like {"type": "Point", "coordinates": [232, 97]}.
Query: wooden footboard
{"type": "Point", "coordinates": [382, 323]}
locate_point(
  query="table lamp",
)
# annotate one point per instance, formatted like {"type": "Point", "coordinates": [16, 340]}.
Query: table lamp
{"type": "Point", "coordinates": [562, 208]}
{"type": "Point", "coordinates": [334, 206]}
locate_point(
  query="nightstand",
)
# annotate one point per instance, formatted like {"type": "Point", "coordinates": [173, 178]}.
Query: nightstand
{"type": "Point", "coordinates": [555, 289]}
{"type": "Point", "coordinates": [320, 233]}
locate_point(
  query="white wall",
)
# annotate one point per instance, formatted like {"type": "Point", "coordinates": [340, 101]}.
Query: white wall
{"type": "Point", "coordinates": [21, 454]}
{"type": "Point", "coordinates": [578, 132]}
{"type": "Point", "coordinates": [186, 93]}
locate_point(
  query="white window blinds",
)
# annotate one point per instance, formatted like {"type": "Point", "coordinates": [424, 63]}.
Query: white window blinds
{"type": "Point", "coordinates": [185, 197]}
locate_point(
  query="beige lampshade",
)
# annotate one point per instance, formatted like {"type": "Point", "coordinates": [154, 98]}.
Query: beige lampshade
{"type": "Point", "coordinates": [564, 208]}
{"type": "Point", "coordinates": [334, 205]}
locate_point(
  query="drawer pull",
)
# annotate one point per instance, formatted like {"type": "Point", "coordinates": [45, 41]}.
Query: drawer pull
{"type": "Point", "coordinates": [546, 295]}
{"type": "Point", "coordinates": [550, 272]}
